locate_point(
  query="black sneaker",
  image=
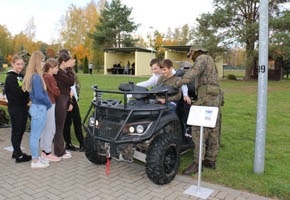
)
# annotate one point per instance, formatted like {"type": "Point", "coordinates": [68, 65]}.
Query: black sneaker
{"type": "Point", "coordinates": [82, 148]}
{"type": "Point", "coordinates": [14, 156]}
{"type": "Point", "coordinates": [23, 158]}
{"type": "Point", "coordinates": [71, 147]}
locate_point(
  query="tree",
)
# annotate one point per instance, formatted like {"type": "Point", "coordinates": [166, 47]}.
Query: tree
{"type": "Point", "coordinates": [280, 37]}
{"type": "Point", "coordinates": [207, 36]}
{"type": "Point", "coordinates": [50, 53]}
{"type": "Point", "coordinates": [22, 41]}
{"type": "Point", "coordinates": [9, 59]}
{"type": "Point", "coordinates": [5, 42]}
{"type": "Point", "coordinates": [115, 26]}
{"type": "Point", "coordinates": [185, 35]}
{"type": "Point", "coordinates": [77, 23]}
{"type": "Point", "coordinates": [140, 42]}
{"type": "Point", "coordinates": [86, 66]}
{"type": "Point", "coordinates": [237, 21]}
{"type": "Point", "coordinates": [30, 29]}
{"type": "Point", "coordinates": [157, 42]}
{"type": "Point", "coordinates": [181, 36]}
{"type": "Point", "coordinates": [76, 67]}
{"type": "Point", "coordinates": [75, 28]}
{"type": "Point", "coordinates": [81, 52]}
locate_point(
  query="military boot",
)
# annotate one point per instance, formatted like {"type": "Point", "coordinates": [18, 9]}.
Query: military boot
{"type": "Point", "coordinates": [208, 164]}
{"type": "Point", "coordinates": [192, 169]}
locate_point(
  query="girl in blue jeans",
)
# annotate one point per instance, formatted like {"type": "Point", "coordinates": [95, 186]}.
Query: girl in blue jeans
{"type": "Point", "coordinates": [34, 84]}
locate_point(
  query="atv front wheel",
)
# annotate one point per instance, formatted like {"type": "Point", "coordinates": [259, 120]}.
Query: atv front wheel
{"type": "Point", "coordinates": [92, 150]}
{"type": "Point", "coordinates": [163, 158]}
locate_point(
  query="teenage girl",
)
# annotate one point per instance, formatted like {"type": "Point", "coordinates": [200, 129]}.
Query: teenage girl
{"type": "Point", "coordinates": [34, 84]}
{"type": "Point", "coordinates": [64, 79]}
{"type": "Point", "coordinates": [50, 68]}
{"type": "Point", "coordinates": [17, 107]}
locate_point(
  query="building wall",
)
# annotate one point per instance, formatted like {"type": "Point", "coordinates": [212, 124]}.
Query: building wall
{"type": "Point", "coordinates": [111, 58]}
{"type": "Point", "coordinates": [142, 64]}
{"type": "Point", "coordinates": [127, 56]}
{"type": "Point", "coordinates": [176, 56]}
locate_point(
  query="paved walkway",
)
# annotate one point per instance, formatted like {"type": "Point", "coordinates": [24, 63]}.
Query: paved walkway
{"type": "Point", "coordinates": [77, 178]}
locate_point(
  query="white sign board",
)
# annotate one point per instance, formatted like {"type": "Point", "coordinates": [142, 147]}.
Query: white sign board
{"type": "Point", "coordinates": [204, 116]}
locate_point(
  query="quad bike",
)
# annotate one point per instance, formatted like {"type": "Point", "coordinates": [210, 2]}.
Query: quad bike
{"type": "Point", "coordinates": [140, 129]}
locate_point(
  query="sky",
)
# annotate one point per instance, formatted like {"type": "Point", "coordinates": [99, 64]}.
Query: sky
{"type": "Point", "coordinates": [150, 14]}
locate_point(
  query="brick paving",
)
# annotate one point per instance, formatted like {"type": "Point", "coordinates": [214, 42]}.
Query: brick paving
{"type": "Point", "coordinates": [77, 178]}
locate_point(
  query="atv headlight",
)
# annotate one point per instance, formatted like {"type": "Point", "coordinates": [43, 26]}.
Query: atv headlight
{"type": "Point", "coordinates": [93, 122]}
{"type": "Point", "coordinates": [140, 129]}
{"type": "Point", "coordinates": [131, 129]}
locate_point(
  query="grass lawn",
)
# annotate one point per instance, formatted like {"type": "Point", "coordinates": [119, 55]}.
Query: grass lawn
{"type": "Point", "coordinates": [235, 160]}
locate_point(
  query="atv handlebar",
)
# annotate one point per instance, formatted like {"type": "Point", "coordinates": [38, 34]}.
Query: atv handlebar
{"type": "Point", "coordinates": [97, 93]}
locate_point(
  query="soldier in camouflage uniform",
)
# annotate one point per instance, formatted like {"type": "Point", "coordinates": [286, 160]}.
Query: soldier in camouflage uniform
{"type": "Point", "coordinates": [25, 56]}
{"type": "Point", "coordinates": [209, 93]}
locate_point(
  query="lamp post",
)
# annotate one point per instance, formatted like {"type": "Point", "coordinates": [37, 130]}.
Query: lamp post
{"type": "Point", "coordinates": [262, 89]}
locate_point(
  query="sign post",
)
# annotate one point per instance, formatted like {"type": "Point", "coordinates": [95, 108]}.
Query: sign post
{"type": "Point", "coordinates": [202, 116]}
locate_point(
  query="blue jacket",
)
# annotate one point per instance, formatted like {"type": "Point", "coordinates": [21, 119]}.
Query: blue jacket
{"type": "Point", "coordinates": [38, 95]}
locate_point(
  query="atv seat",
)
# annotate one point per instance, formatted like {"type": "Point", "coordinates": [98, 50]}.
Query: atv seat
{"type": "Point", "coordinates": [131, 87]}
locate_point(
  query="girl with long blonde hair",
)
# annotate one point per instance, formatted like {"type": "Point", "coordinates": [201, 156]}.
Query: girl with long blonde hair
{"type": "Point", "coordinates": [34, 84]}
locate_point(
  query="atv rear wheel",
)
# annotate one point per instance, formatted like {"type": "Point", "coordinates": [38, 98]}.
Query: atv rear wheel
{"type": "Point", "coordinates": [92, 150]}
{"type": "Point", "coordinates": [163, 158]}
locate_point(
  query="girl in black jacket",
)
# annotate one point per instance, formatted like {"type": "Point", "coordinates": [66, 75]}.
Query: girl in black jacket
{"type": "Point", "coordinates": [17, 107]}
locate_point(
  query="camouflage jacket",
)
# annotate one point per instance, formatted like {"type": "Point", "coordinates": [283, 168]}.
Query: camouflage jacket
{"type": "Point", "coordinates": [170, 82]}
{"type": "Point", "coordinates": [204, 70]}
{"type": "Point", "coordinates": [205, 73]}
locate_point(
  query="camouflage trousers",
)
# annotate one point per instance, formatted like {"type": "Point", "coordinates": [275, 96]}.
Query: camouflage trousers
{"type": "Point", "coordinates": [210, 141]}
{"type": "Point", "coordinates": [211, 136]}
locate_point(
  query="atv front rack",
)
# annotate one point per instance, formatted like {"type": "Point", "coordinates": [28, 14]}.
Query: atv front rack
{"type": "Point", "coordinates": [110, 105]}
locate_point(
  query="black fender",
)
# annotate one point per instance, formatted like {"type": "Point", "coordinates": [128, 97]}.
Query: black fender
{"type": "Point", "coordinates": [169, 117]}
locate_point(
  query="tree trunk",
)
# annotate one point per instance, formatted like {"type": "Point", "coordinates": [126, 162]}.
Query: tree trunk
{"type": "Point", "coordinates": [250, 63]}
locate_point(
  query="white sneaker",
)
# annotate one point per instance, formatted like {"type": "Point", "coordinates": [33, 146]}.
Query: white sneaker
{"type": "Point", "coordinates": [39, 164]}
{"type": "Point", "coordinates": [44, 160]}
{"type": "Point", "coordinates": [68, 152]}
{"type": "Point", "coordinates": [50, 157]}
{"type": "Point", "coordinates": [66, 155]}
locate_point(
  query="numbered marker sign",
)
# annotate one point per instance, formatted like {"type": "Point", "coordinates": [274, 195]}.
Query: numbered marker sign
{"type": "Point", "coordinates": [203, 116]}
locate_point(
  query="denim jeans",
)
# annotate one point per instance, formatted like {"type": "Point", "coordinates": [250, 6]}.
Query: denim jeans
{"type": "Point", "coordinates": [38, 119]}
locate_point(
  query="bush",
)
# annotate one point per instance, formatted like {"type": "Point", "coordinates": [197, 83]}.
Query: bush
{"type": "Point", "coordinates": [76, 65]}
{"type": "Point", "coordinates": [86, 66]}
{"type": "Point", "coordinates": [232, 77]}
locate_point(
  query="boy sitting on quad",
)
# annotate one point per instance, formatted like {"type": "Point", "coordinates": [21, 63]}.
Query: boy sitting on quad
{"type": "Point", "coordinates": [169, 79]}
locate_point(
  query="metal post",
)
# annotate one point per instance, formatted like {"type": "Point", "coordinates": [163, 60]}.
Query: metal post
{"type": "Point", "coordinates": [200, 158]}
{"type": "Point", "coordinates": [262, 89]}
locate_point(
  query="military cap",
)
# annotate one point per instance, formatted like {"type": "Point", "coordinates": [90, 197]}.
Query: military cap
{"type": "Point", "coordinates": [196, 48]}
